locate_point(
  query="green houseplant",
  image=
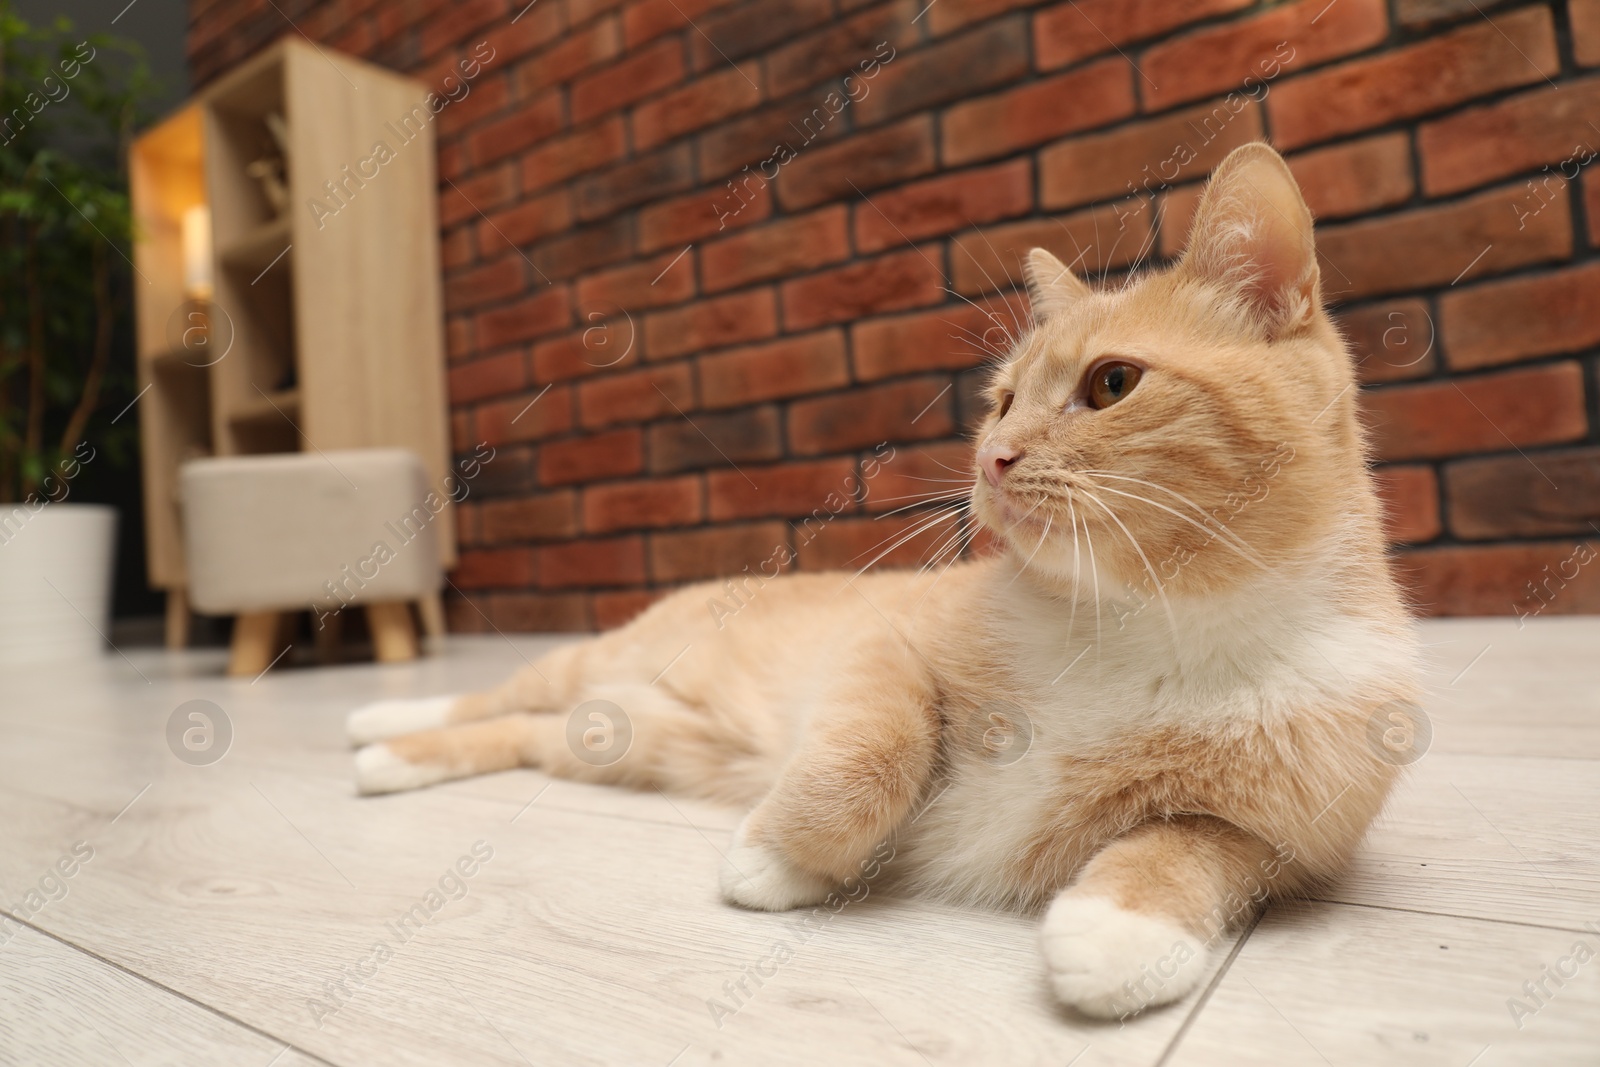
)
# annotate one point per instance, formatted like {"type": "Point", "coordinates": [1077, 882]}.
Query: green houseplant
{"type": "Point", "coordinates": [68, 103]}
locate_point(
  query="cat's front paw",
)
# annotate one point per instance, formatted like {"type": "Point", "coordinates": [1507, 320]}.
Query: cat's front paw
{"type": "Point", "coordinates": [762, 878]}
{"type": "Point", "coordinates": [1110, 962]}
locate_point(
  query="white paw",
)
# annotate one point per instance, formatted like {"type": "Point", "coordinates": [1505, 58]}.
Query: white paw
{"type": "Point", "coordinates": [384, 719]}
{"type": "Point", "coordinates": [380, 770]}
{"type": "Point", "coordinates": [758, 877]}
{"type": "Point", "coordinates": [1110, 962]}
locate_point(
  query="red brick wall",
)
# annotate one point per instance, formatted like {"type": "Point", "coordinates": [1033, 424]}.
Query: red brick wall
{"type": "Point", "coordinates": [700, 384]}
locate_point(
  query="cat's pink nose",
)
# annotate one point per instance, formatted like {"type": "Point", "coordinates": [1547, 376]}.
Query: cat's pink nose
{"type": "Point", "coordinates": [994, 459]}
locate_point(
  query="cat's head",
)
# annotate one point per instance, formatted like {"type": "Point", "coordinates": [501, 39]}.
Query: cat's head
{"type": "Point", "coordinates": [1189, 428]}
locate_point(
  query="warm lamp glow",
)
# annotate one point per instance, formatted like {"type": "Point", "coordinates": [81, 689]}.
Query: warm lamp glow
{"type": "Point", "coordinates": [197, 282]}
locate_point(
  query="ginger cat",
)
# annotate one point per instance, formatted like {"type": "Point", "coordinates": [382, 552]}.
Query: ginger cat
{"type": "Point", "coordinates": [1152, 710]}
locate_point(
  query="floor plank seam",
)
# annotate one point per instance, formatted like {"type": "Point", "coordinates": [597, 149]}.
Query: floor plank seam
{"type": "Point", "coordinates": [147, 980]}
{"type": "Point", "coordinates": [1575, 929]}
{"type": "Point", "coordinates": [1211, 986]}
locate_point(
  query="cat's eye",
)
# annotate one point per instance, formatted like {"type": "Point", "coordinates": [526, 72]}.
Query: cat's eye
{"type": "Point", "coordinates": [1005, 404]}
{"type": "Point", "coordinates": [1111, 382]}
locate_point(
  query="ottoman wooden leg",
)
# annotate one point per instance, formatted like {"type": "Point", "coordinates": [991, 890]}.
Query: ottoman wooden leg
{"type": "Point", "coordinates": [431, 608]}
{"type": "Point", "coordinates": [394, 639]}
{"type": "Point", "coordinates": [255, 639]}
{"type": "Point", "coordinates": [177, 617]}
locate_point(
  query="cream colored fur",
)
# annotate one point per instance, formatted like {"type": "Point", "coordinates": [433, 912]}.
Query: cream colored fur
{"type": "Point", "coordinates": [1185, 680]}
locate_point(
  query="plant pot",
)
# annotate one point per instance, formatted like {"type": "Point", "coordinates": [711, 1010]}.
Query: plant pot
{"type": "Point", "coordinates": [55, 581]}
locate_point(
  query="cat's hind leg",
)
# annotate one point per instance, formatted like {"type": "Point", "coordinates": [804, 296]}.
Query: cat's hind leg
{"type": "Point", "coordinates": [548, 685]}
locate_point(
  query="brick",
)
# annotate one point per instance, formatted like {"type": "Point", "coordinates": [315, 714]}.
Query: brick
{"type": "Point", "coordinates": [1416, 14]}
{"type": "Point", "coordinates": [1511, 496]}
{"type": "Point", "coordinates": [633, 78]}
{"type": "Point", "coordinates": [704, 102]}
{"type": "Point", "coordinates": [663, 279]}
{"type": "Point", "coordinates": [527, 222]}
{"type": "Point", "coordinates": [1479, 145]}
{"type": "Point", "coordinates": [616, 609]}
{"type": "Point", "coordinates": [1410, 498]}
{"type": "Point", "coordinates": [1249, 53]}
{"type": "Point", "coordinates": [1479, 58]}
{"type": "Point", "coordinates": [704, 213]}
{"type": "Point", "coordinates": [864, 162]}
{"type": "Point", "coordinates": [492, 376]}
{"type": "Point", "coordinates": [707, 324]}
{"type": "Point", "coordinates": [1521, 318]}
{"type": "Point", "coordinates": [911, 410]}
{"type": "Point", "coordinates": [458, 337]}
{"type": "Point", "coordinates": [892, 282]}
{"type": "Point", "coordinates": [785, 491]}
{"type": "Point", "coordinates": [1483, 413]}
{"type": "Point", "coordinates": [1501, 579]}
{"type": "Point", "coordinates": [745, 29]}
{"type": "Point", "coordinates": [636, 182]}
{"type": "Point", "coordinates": [1435, 246]}
{"type": "Point", "coordinates": [565, 157]}
{"type": "Point", "coordinates": [578, 51]}
{"type": "Point", "coordinates": [545, 517]}
{"type": "Point", "coordinates": [487, 284]}
{"type": "Point", "coordinates": [534, 27]}
{"type": "Point", "coordinates": [484, 98]}
{"type": "Point", "coordinates": [454, 24]}
{"type": "Point", "coordinates": [949, 15]}
{"type": "Point", "coordinates": [1591, 206]}
{"type": "Point", "coordinates": [1038, 111]}
{"type": "Point", "coordinates": [642, 505]}
{"type": "Point", "coordinates": [492, 568]}
{"type": "Point", "coordinates": [718, 550]}
{"type": "Point", "coordinates": [777, 250]}
{"type": "Point", "coordinates": [985, 58]}
{"type": "Point", "coordinates": [590, 562]}
{"type": "Point", "coordinates": [1176, 208]}
{"type": "Point", "coordinates": [509, 470]}
{"type": "Point", "coordinates": [637, 396]}
{"type": "Point", "coordinates": [479, 193]}
{"type": "Point", "coordinates": [1146, 155]}
{"type": "Point", "coordinates": [712, 440]}
{"type": "Point", "coordinates": [951, 337]}
{"type": "Point", "coordinates": [1089, 241]}
{"type": "Point", "coordinates": [613, 454]}
{"type": "Point", "coordinates": [849, 44]}
{"type": "Point", "coordinates": [580, 251]}
{"type": "Point", "coordinates": [524, 613]}
{"type": "Point", "coordinates": [1584, 17]}
{"type": "Point", "coordinates": [646, 20]}
{"type": "Point", "coordinates": [545, 310]}
{"type": "Point", "coordinates": [1078, 29]}
{"type": "Point", "coordinates": [906, 474]}
{"type": "Point", "coordinates": [789, 367]}
{"type": "Point", "coordinates": [581, 11]}
{"type": "Point", "coordinates": [848, 544]}
{"type": "Point", "coordinates": [603, 343]}
{"type": "Point", "coordinates": [529, 124]}
{"type": "Point", "coordinates": [528, 418]}
{"type": "Point", "coordinates": [466, 524]}
{"type": "Point", "coordinates": [764, 142]}
{"type": "Point", "coordinates": [1391, 341]}
{"type": "Point", "coordinates": [1355, 177]}
{"type": "Point", "coordinates": [942, 205]}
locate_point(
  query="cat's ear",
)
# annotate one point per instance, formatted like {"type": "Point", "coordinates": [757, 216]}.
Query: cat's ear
{"type": "Point", "coordinates": [1252, 236]}
{"type": "Point", "coordinates": [1052, 287]}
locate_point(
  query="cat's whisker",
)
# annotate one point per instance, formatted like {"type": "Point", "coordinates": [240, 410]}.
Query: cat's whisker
{"type": "Point", "coordinates": [989, 314]}
{"type": "Point", "coordinates": [1248, 557]}
{"type": "Point", "coordinates": [1094, 572]}
{"type": "Point", "coordinates": [922, 500]}
{"type": "Point", "coordinates": [1161, 591]}
{"type": "Point", "coordinates": [919, 527]}
{"type": "Point", "coordinates": [1220, 527]}
{"type": "Point", "coordinates": [1077, 574]}
{"type": "Point", "coordinates": [1047, 520]}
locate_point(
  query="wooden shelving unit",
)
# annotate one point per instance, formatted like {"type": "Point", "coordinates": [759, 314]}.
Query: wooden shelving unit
{"type": "Point", "coordinates": [320, 333]}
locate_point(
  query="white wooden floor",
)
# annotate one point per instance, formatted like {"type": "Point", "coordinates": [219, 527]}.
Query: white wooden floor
{"type": "Point", "coordinates": [224, 902]}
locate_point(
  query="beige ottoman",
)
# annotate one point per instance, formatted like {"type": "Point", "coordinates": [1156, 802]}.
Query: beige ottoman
{"type": "Point", "coordinates": [317, 531]}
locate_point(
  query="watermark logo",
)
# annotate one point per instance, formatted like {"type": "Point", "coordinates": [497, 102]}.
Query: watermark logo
{"type": "Point", "coordinates": [608, 336]}
{"type": "Point", "coordinates": [1005, 733]}
{"type": "Point", "coordinates": [201, 332]}
{"type": "Point", "coordinates": [1399, 732]}
{"type": "Point", "coordinates": [199, 732]}
{"type": "Point", "coordinates": [599, 732]}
